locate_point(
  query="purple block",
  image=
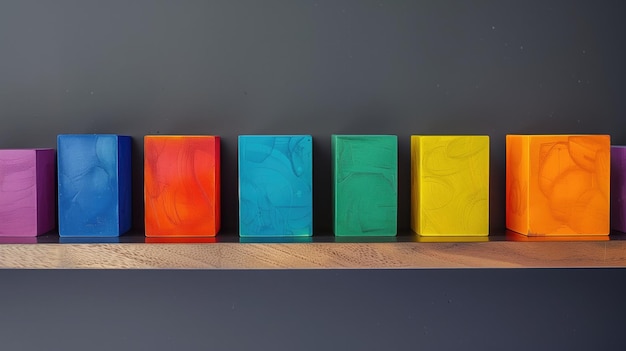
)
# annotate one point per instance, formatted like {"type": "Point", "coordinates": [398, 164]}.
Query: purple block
{"type": "Point", "coordinates": [27, 192]}
{"type": "Point", "coordinates": [618, 188]}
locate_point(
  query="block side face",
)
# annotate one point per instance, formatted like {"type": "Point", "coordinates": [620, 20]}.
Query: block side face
{"type": "Point", "coordinates": [217, 214]}
{"type": "Point", "coordinates": [517, 173]}
{"type": "Point", "coordinates": [454, 185]}
{"type": "Point", "coordinates": [124, 159]}
{"type": "Point", "coordinates": [88, 185]}
{"type": "Point", "coordinates": [333, 182]}
{"type": "Point", "coordinates": [46, 190]}
{"type": "Point", "coordinates": [366, 185]}
{"type": "Point", "coordinates": [18, 193]}
{"type": "Point", "coordinates": [618, 188]}
{"type": "Point", "coordinates": [275, 185]}
{"type": "Point", "coordinates": [181, 176]}
{"type": "Point", "coordinates": [415, 184]}
{"type": "Point", "coordinates": [569, 185]}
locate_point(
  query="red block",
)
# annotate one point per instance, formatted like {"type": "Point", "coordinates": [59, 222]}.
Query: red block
{"type": "Point", "coordinates": [182, 185]}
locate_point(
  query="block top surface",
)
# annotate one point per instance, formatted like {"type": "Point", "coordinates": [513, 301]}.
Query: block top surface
{"type": "Point", "coordinates": [276, 136]}
{"type": "Point", "coordinates": [558, 135]}
{"type": "Point", "coordinates": [436, 139]}
{"type": "Point", "coordinates": [166, 136]}
{"type": "Point", "coordinates": [25, 151]}
{"type": "Point", "coordinates": [600, 139]}
{"type": "Point", "coordinates": [92, 135]}
{"type": "Point", "coordinates": [450, 136]}
{"type": "Point", "coordinates": [350, 136]}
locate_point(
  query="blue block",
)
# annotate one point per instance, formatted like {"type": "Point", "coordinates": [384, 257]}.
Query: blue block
{"type": "Point", "coordinates": [94, 185]}
{"type": "Point", "coordinates": [275, 185]}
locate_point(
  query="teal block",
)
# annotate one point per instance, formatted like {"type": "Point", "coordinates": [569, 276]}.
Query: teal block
{"type": "Point", "coordinates": [275, 185]}
{"type": "Point", "coordinates": [365, 185]}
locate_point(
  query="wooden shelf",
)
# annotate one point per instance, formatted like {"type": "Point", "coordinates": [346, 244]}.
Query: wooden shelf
{"type": "Point", "coordinates": [321, 253]}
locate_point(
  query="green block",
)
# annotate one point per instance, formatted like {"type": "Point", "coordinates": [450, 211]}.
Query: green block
{"type": "Point", "coordinates": [365, 185]}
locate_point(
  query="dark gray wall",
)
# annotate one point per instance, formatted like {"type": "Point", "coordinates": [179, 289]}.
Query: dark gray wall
{"type": "Point", "coordinates": [313, 310]}
{"type": "Point", "coordinates": [319, 67]}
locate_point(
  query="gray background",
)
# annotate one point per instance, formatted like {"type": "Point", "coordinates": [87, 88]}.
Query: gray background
{"type": "Point", "coordinates": [316, 67]}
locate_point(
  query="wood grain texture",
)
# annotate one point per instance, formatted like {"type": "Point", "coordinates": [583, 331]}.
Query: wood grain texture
{"type": "Point", "coordinates": [503, 254]}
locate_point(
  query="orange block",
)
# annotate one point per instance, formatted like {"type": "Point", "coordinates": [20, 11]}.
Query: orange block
{"type": "Point", "coordinates": [182, 185]}
{"type": "Point", "coordinates": [558, 184]}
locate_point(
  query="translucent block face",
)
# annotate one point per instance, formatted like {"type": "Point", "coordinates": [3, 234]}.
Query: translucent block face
{"type": "Point", "coordinates": [94, 184]}
{"type": "Point", "coordinates": [618, 188]}
{"type": "Point", "coordinates": [275, 185]}
{"type": "Point", "coordinates": [365, 185]}
{"type": "Point", "coordinates": [558, 184]}
{"type": "Point", "coordinates": [450, 185]}
{"type": "Point", "coordinates": [27, 192]}
{"type": "Point", "coordinates": [182, 185]}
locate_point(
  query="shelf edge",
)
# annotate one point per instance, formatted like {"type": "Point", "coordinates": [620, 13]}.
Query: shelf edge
{"type": "Point", "coordinates": [407, 255]}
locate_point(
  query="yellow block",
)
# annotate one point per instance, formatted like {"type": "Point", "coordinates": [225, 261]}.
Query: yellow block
{"type": "Point", "coordinates": [450, 185]}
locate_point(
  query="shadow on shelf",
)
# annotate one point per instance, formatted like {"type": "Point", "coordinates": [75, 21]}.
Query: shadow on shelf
{"type": "Point", "coordinates": [514, 236]}
{"type": "Point", "coordinates": [138, 237]}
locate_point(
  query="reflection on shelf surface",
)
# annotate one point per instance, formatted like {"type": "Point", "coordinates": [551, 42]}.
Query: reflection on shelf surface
{"type": "Point", "coordinates": [137, 237]}
{"type": "Point", "coordinates": [514, 236]}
